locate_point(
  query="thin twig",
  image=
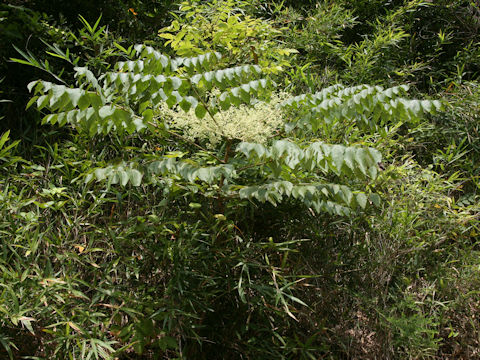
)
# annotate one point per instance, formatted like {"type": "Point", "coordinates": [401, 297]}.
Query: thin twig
{"type": "Point", "coordinates": [205, 105]}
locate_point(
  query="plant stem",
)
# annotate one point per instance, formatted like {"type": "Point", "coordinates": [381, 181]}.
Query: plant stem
{"type": "Point", "coordinates": [222, 180]}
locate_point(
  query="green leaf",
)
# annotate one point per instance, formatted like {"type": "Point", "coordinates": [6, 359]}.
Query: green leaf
{"type": "Point", "coordinates": [375, 199]}
{"type": "Point", "coordinates": [4, 138]}
{"type": "Point", "coordinates": [361, 199]}
{"type": "Point", "coordinates": [200, 111]}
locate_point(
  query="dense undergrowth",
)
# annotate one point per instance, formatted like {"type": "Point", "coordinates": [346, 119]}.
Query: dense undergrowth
{"type": "Point", "coordinates": [229, 189]}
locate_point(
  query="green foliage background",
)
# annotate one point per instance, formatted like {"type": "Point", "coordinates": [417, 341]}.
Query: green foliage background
{"type": "Point", "coordinates": [349, 229]}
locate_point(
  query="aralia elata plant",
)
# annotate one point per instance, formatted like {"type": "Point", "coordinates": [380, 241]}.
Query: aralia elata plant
{"type": "Point", "coordinates": [149, 91]}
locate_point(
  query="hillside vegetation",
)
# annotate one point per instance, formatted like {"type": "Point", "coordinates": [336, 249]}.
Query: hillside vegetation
{"type": "Point", "coordinates": [239, 179]}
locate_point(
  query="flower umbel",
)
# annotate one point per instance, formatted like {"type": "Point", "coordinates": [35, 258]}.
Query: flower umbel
{"type": "Point", "coordinates": [246, 123]}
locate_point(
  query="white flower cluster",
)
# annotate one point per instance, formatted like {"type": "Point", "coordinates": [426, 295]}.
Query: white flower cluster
{"type": "Point", "coordinates": [246, 123]}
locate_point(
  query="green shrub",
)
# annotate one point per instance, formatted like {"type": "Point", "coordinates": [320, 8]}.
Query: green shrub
{"type": "Point", "coordinates": [225, 26]}
{"type": "Point", "coordinates": [387, 43]}
{"type": "Point", "coordinates": [216, 262]}
{"type": "Point", "coordinates": [193, 211]}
